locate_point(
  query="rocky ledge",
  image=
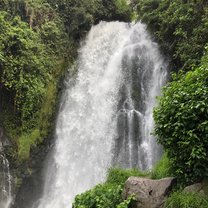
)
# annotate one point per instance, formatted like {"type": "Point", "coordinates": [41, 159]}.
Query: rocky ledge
{"type": "Point", "coordinates": [148, 193]}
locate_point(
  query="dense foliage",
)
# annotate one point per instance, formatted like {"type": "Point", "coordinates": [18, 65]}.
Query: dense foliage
{"type": "Point", "coordinates": [183, 199]}
{"type": "Point", "coordinates": [28, 61]}
{"type": "Point", "coordinates": [181, 123]}
{"type": "Point", "coordinates": [181, 27]}
{"type": "Point", "coordinates": [78, 16]}
{"type": "Point", "coordinates": [109, 194]}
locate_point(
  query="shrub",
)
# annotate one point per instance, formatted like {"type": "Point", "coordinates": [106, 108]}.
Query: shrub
{"type": "Point", "coordinates": [190, 200]}
{"type": "Point", "coordinates": [105, 196]}
{"type": "Point", "coordinates": [109, 194]}
{"type": "Point", "coordinates": [181, 123]}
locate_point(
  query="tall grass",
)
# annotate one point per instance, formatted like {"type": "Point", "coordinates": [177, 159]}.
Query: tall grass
{"type": "Point", "coordinates": [162, 169]}
{"type": "Point", "coordinates": [186, 200]}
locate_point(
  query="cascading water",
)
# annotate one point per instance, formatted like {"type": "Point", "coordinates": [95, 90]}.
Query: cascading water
{"type": "Point", "coordinates": [145, 73]}
{"type": "Point", "coordinates": [105, 117]}
{"type": "Point", "coordinates": [5, 181]}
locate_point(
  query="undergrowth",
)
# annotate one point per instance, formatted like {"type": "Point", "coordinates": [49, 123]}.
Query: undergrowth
{"type": "Point", "coordinates": [186, 200]}
{"type": "Point", "coordinates": [108, 194]}
{"type": "Point", "coordinates": [162, 168]}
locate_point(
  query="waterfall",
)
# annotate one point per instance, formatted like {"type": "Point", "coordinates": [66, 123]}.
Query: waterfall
{"type": "Point", "coordinates": [144, 71]}
{"type": "Point", "coordinates": [105, 116]}
{"type": "Point", "coordinates": [5, 181]}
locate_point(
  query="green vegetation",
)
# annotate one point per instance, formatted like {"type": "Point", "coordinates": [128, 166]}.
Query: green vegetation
{"type": "Point", "coordinates": [109, 194]}
{"type": "Point", "coordinates": [183, 199]}
{"type": "Point", "coordinates": [29, 59]}
{"type": "Point", "coordinates": [162, 168]}
{"type": "Point", "coordinates": [105, 196]}
{"type": "Point", "coordinates": [182, 123]}
{"type": "Point", "coordinates": [78, 16]}
{"type": "Point", "coordinates": [181, 28]}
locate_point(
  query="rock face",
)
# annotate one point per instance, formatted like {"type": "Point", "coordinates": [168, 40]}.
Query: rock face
{"type": "Point", "coordinates": [148, 193]}
{"type": "Point", "coordinates": [200, 188]}
{"type": "Point", "coordinates": [4, 140]}
{"type": "Point", "coordinates": [32, 182]}
{"type": "Point", "coordinates": [195, 188]}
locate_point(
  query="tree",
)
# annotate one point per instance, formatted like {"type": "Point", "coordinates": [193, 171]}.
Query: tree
{"type": "Point", "coordinates": [176, 24]}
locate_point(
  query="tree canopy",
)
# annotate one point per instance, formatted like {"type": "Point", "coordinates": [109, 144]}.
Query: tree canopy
{"type": "Point", "coordinates": [181, 28]}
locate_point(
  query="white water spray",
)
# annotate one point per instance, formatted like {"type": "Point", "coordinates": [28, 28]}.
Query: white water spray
{"type": "Point", "coordinates": [145, 73]}
{"type": "Point", "coordinates": [5, 181]}
{"type": "Point", "coordinates": [88, 137]}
